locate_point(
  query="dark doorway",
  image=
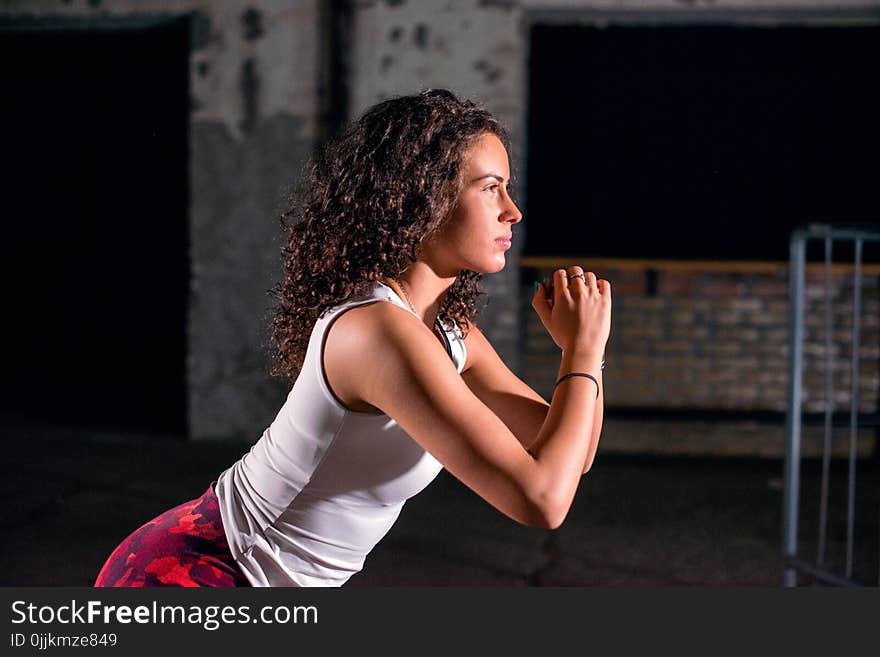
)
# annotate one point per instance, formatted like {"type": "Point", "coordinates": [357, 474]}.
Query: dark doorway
{"type": "Point", "coordinates": [94, 130]}
{"type": "Point", "coordinates": [699, 142]}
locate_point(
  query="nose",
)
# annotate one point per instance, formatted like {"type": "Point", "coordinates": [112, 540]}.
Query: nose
{"type": "Point", "coordinates": [511, 213]}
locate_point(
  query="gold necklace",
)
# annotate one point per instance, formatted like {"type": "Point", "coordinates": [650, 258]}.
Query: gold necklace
{"type": "Point", "coordinates": [409, 301]}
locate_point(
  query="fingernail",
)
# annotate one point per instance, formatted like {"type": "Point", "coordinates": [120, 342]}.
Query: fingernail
{"type": "Point", "coordinates": [536, 286]}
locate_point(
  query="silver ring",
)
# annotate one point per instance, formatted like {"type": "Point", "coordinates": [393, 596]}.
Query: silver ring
{"type": "Point", "coordinates": [581, 276]}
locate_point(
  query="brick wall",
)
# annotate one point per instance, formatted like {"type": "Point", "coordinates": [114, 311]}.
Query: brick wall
{"type": "Point", "coordinates": [710, 339]}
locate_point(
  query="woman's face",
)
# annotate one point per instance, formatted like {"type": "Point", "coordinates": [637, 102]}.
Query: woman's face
{"type": "Point", "coordinates": [477, 235]}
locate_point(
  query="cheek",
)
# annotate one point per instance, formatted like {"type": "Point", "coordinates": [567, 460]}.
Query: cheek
{"type": "Point", "coordinates": [469, 223]}
{"type": "Point", "coordinates": [458, 228]}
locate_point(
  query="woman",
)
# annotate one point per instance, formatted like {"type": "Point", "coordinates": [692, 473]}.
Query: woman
{"type": "Point", "coordinates": [409, 206]}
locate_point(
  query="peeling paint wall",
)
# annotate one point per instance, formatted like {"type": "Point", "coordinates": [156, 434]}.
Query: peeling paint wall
{"type": "Point", "coordinates": [255, 71]}
{"type": "Point", "coordinates": [254, 119]}
{"type": "Point", "coordinates": [472, 48]}
{"type": "Point", "coordinates": [251, 59]}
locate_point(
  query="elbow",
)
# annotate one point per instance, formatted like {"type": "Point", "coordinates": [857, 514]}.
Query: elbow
{"type": "Point", "coordinates": [547, 499]}
{"type": "Point", "coordinates": [548, 512]}
{"type": "Point", "coordinates": [552, 519]}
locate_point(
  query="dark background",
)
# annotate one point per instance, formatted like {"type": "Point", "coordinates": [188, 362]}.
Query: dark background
{"type": "Point", "coordinates": [700, 142]}
{"type": "Point", "coordinates": [95, 255]}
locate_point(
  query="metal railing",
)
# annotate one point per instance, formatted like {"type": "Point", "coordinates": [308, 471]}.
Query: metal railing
{"type": "Point", "coordinates": [792, 561]}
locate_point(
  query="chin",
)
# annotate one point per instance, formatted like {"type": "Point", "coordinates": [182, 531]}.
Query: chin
{"type": "Point", "coordinates": [491, 268]}
{"type": "Point", "coordinates": [502, 263]}
{"type": "Point", "coordinates": [486, 264]}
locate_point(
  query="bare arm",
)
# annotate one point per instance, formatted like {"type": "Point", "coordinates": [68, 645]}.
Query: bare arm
{"type": "Point", "coordinates": [520, 408]}
{"type": "Point", "coordinates": [597, 424]}
{"type": "Point", "coordinates": [407, 375]}
{"type": "Point", "coordinates": [593, 324]}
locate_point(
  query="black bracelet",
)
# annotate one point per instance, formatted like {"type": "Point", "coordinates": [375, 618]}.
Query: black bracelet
{"type": "Point", "coordinates": [589, 376]}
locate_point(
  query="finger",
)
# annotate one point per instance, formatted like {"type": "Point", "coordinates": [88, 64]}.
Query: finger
{"type": "Point", "coordinates": [539, 303]}
{"type": "Point", "coordinates": [604, 287]}
{"type": "Point", "coordinates": [575, 276]}
{"type": "Point", "coordinates": [549, 289]}
{"type": "Point", "coordinates": [591, 281]}
{"type": "Point", "coordinates": [560, 282]}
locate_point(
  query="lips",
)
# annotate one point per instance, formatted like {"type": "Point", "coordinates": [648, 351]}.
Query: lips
{"type": "Point", "coordinates": [503, 241]}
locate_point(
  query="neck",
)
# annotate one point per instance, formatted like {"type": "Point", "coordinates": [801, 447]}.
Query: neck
{"type": "Point", "coordinates": [425, 287]}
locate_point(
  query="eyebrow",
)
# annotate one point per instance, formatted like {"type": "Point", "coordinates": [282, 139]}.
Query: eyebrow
{"type": "Point", "coordinates": [490, 175]}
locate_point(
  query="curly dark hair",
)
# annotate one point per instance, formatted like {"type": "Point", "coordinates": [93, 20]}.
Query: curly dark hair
{"type": "Point", "coordinates": [364, 205]}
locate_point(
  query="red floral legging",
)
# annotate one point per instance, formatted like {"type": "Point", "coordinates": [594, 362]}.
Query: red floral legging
{"type": "Point", "coordinates": [184, 546]}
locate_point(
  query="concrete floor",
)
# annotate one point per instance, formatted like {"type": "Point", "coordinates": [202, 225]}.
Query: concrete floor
{"type": "Point", "coordinates": [678, 518]}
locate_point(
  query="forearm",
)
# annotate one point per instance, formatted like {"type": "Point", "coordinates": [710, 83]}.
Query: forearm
{"type": "Point", "coordinates": [597, 426]}
{"type": "Point", "coordinates": [564, 442]}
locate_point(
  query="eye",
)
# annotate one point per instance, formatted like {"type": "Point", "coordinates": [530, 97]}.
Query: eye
{"type": "Point", "coordinates": [493, 187]}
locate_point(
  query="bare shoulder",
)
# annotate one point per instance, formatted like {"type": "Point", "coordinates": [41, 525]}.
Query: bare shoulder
{"type": "Point", "coordinates": [364, 340]}
{"type": "Point", "coordinates": [382, 357]}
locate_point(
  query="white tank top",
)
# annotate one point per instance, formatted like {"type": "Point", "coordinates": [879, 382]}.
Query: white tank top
{"type": "Point", "coordinates": [323, 484]}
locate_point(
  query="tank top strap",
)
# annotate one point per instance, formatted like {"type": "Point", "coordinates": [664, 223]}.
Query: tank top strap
{"type": "Point", "coordinates": [453, 341]}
